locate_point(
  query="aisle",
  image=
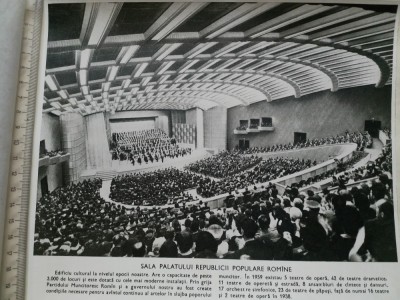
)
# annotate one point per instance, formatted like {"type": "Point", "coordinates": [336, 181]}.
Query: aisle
{"type": "Point", "coordinates": [373, 153]}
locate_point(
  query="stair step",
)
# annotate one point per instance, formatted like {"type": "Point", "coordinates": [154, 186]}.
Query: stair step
{"type": "Point", "coordinates": [106, 174]}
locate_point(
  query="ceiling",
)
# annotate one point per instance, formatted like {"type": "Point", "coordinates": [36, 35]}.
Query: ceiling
{"type": "Point", "coordinates": [131, 56]}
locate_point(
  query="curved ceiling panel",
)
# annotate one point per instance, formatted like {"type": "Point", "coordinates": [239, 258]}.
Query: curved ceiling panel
{"type": "Point", "coordinates": [206, 54]}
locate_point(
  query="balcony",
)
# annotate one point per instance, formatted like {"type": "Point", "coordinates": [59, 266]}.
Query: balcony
{"type": "Point", "coordinates": [254, 126]}
{"type": "Point", "coordinates": [240, 131]}
{"type": "Point", "coordinates": [266, 128]}
{"type": "Point", "coordinates": [47, 160]}
{"type": "Point", "coordinates": [252, 129]}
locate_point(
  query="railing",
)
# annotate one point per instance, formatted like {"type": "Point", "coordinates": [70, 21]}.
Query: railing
{"type": "Point", "coordinates": [52, 160]}
{"type": "Point", "coordinates": [353, 184]}
{"type": "Point", "coordinates": [383, 137]}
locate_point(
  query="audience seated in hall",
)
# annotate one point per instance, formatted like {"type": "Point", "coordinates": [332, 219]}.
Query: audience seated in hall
{"type": "Point", "coordinates": [145, 146]}
{"type": "Point", "coordinates": [381, 167]}
{"type": "Point", "coordinates": [265, 171]}
{"type": "Point", "coordinates": [223, 164]}
{"type": "Point", "coordinates": [52, 153]}
{"type": "Point", "coordinates": [262, 224]}
{"type": "Point", "coordinates": [153, 188]}
{"type": "Point", "coordinates": [363, 140]}
{"type": "Point", "coordinates": [340, 168]}
{"type": "Point", "coordinates": [348, 223]}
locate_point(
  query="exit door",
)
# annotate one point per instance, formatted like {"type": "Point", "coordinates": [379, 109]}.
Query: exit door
{"type": "Point", "coordinates": [373, 127]}
{"type": "Point", "coordinates": [300, 137]}
{"type": "Point", "coordinates": [244, 144]}
{"type": "Point", "coordinates": [44, 186]}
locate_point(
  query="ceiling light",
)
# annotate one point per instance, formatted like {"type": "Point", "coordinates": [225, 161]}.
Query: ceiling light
{"type": "Point", "coordinates": [140, 69]}
{"type": "Point", "coordinates": [165, 67]}
{"type": "Point", "coordinates": [190, 63]}
{"type": "Point", "coordinates": [126, 83]}
{"type": "Point", "coordinates": [106, 86]}
{"type": "Point", "coordinates": [163, 78]}
{"type": "Point", "coordinates": [130, 51]}
{"type": "Point", "coordinates": [51, 82]}
{"type": "Point", "coordinates": [112, 73]}
{"type": "Point", "coordinates": [63, 94]}
{"type": "Point", "coordinates": [145, 81]}
{"type": "Point", "coordinates": [83, 77]}
{"type": "Point", "coordinates": [167, 49]}
{"type": "Point", "coordinates": [85, 58]}
{"type": "Point", "coordinates": [85, 90]}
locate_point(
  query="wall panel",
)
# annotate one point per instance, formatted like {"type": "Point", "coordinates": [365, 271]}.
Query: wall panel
{"type": "Point", "coordinates": [74, 142]}
{"type": "Point", "coordinates": [215, 128]}
{"type": "Point", "coordinates": [98, 152]}
{"type": "Point", "coordinates": [319, 115]}
{"type": "Point", "coordinates": [50, 132]}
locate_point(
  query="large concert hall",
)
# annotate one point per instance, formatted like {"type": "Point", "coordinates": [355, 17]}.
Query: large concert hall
{"type": "Point", "coordinates": [229, 130]}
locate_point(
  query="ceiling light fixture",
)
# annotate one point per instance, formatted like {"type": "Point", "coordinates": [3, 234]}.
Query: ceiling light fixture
{"type": "Point", "coordinates": [140, 69]}
{"type": "Point", "coordinates": [51, 82]}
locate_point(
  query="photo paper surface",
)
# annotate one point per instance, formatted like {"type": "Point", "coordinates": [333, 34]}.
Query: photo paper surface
{"type": "Point", "coordinates": [215, 150]}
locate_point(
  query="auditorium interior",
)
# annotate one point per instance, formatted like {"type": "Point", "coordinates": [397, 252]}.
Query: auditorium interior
{"type": "Point", "coordinates": [176, 111]}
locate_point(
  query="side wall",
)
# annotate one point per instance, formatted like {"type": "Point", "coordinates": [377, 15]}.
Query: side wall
{"type": "Point", "coordinates": [97, 151]}
{"type": "Point", "coordinates": [319, 115]}
{"type": "Point", "coordinates": [73, 141]}
{"type": "Point", "coordinates": [51, 133]}
{"type": "Point", "coordinates": [215, 128]}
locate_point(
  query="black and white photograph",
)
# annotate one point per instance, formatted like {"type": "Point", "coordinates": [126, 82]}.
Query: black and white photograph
{"type": "Point", "coordinates": [218, 130]}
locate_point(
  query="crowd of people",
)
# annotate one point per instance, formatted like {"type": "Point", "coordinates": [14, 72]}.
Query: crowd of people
{"type": "Point", "coordinates": [52, 153]}
{"type": "Point", "coordinates": [381, 167]}
{"type": "Point", "coordinates": [340, 168]}
{"type": "Point", "coordinates": [257, 222]}
{"type": "Point", "coordinates": [260, 224]}
{"type": "Point", "coordinates": [159, 187]}
{"type": "Point", "coordinates": [224, 164]}
{"type": "Point", "coordinates": [145, 146]}
{"type": "Point", "coordinates": [266, 170]}
{"type": "Point", "coordinates": [362, 139]}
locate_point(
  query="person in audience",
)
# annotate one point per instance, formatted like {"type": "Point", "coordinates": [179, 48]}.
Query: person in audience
{"type": "Point", "coordinates": [377, 236]}
{"type": "Point", "coordinates": [362, 139]}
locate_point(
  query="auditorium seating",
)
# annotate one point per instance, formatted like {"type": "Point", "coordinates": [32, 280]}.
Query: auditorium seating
{"type": "Point", "coordinates": [363, 140]}
{"type": "Point", "coordinates": [265, 171]}
{"type": "Point", "coordinates": [154, 188]}
{"type": "Point", "coordinates": [224, 164]}
{"type": "Point", "coordinates": [262, 224]}
{"type": "Point", "coordinates": [340, 168]}
{"type": "Point", "coordinates": [52, 153]}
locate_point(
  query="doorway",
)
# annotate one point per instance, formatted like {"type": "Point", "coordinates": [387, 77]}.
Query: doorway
{"type": "Point", "coordinates": [244, 144]}
{"type": "Point", "coordinates": [44, 186]}
{"type": "Point", "coordinates": [42, 149]}
{"type": "Point", "coordinates": [373, 126]}
{"type": "Point", "coordinates": [300, 137]}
